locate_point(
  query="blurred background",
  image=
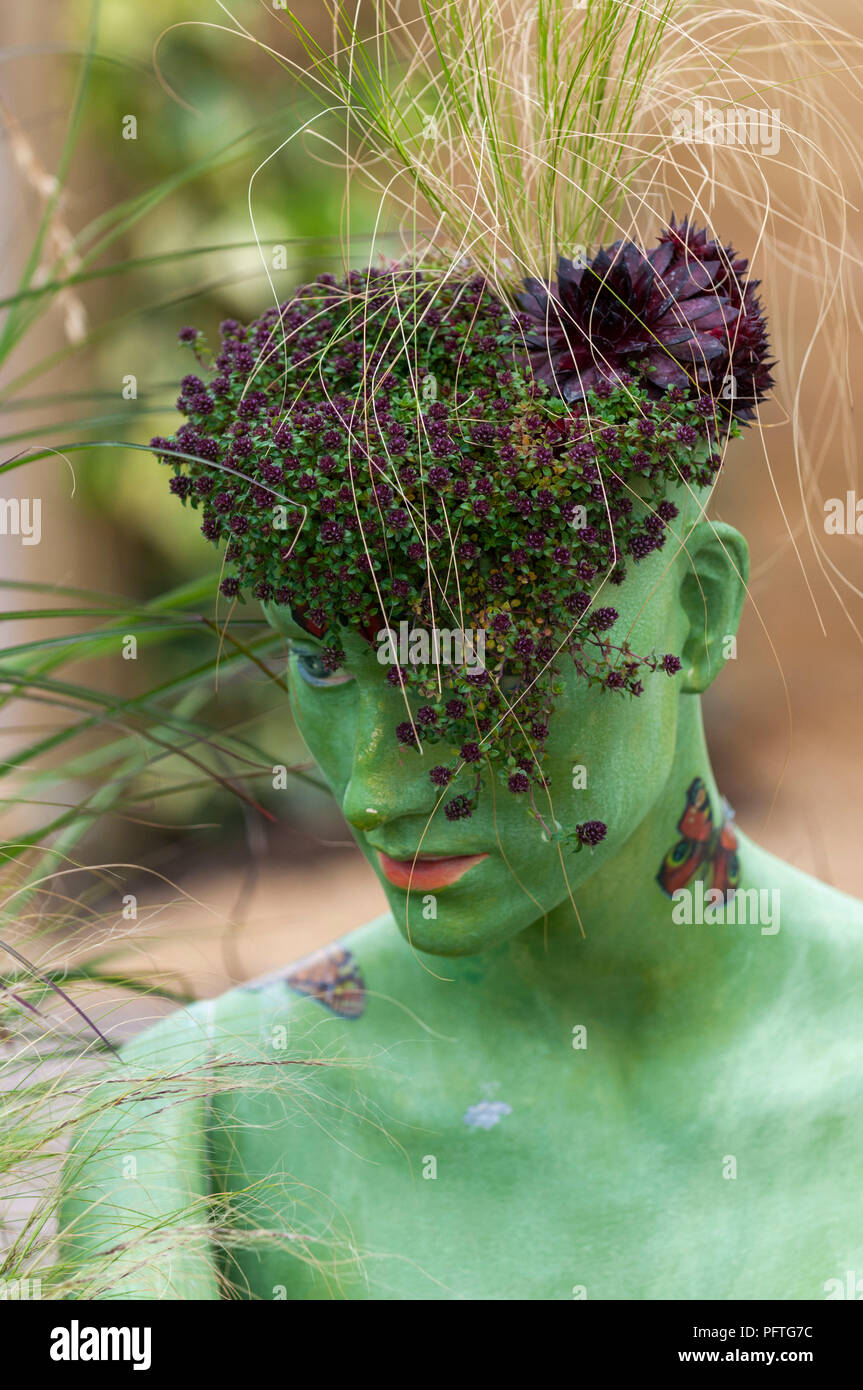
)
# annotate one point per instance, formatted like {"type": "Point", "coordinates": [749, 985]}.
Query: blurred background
{"type": "Point", "coordinates": [228, 892]}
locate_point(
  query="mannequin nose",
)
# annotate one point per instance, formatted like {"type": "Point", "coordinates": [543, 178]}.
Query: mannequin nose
{"type": "Point", "coordinates": [387, 781]}
{"type": "Point", "coordinates": [361, 818]}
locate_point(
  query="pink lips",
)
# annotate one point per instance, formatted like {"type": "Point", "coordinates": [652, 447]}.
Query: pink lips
{"type": "Point", "coordinates": [426, 873]}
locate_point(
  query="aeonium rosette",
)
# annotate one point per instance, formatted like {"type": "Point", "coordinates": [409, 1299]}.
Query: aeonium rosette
{"type": "Point", "coordinates": [682, 315]}
{"type": "Point", "coordinates": [404, 446]}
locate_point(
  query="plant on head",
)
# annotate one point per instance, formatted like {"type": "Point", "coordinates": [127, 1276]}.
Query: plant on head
{"type": "Point", "coordinates": [348, 492]}
{"type": "Point", "coordinates": [343, 492]}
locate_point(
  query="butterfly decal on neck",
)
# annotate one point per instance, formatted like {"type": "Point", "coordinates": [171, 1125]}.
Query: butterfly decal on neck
{"type": "Point", "coordinates": [706, 851]}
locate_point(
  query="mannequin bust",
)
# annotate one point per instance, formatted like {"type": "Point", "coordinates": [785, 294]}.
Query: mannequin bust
{"type": "Point", "coordinates": [545, 1075]}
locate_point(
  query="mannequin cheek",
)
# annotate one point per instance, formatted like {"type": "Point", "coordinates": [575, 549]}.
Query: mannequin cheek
{"type": "Point", "coordinates": [327, 733]}
{"type": "Point", "coordinates": [610, 755]}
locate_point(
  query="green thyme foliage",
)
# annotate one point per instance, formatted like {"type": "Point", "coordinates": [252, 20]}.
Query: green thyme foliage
{"type": "Point", "coordinates": [378, 450]}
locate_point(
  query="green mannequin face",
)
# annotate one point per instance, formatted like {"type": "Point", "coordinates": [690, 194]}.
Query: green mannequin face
{"type": "Point", "coordinates": [625, 747]}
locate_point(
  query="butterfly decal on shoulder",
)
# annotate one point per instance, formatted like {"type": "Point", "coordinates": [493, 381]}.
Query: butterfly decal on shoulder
{"type": "Point", "coordinates": [333, 977]}
{"type": "Point", "coordinates": [706, 850]}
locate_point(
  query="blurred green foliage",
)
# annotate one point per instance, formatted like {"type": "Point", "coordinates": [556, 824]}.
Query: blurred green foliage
{"type": "Point", "coordinates": [203, 92]}
{"type": "Point", "coordinates": [159, 234]}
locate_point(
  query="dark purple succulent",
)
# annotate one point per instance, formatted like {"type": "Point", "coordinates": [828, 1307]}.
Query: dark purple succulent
{"type": "Point", "coordinates": [681, 315]}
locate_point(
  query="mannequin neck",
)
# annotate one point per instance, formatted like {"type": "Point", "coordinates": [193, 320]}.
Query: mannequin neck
{"type": "Point", "coordinates": [633, 958]}
{"type": "Point", "coordinates": [626, 886]}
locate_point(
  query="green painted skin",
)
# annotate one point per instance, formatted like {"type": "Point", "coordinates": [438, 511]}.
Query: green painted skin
{"type": "Point", "coordinates": [609, 1170]}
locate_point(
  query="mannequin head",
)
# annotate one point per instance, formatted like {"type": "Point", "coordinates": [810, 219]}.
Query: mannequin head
{"type": "Point", "coordinates": [514, 474]}
{"type": "Point", "coordinates": [685, 598]}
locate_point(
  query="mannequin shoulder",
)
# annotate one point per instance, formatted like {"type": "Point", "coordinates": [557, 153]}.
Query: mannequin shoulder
{"type": "Point", "coordinates": [814, 912]}
{"type": "Point", "coordinates": [816, 963]}
{"type": "Point", "coordinates": [329, 983]}
{"type": "Point", "coordinates": [316, 993]}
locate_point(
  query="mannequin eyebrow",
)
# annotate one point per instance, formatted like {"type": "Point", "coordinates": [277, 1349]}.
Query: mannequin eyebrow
{"type": "Point", "coordinates": [293, 634]}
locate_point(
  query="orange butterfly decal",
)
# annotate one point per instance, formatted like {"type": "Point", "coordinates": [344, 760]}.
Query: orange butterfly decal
{"type": "Point", "coordinates": [333, 977]}
{"type": "Point", "coordinates": [706, 851]}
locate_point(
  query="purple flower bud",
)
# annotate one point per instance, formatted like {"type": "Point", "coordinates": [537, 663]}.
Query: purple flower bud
{"type": "Point", "coordinates": [603, 618]}
{"type": "Point", "coordinates": [591, 832]}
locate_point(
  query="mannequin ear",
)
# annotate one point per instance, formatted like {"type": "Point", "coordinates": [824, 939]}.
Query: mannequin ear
{"type": "Point", "coordinates": [712, 590]}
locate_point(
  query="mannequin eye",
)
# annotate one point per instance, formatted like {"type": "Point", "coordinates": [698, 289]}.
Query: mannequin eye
{"type": "Point", "coordinates": [508, 682]}
{"type": "Point", "coordinates": [314, 672]}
